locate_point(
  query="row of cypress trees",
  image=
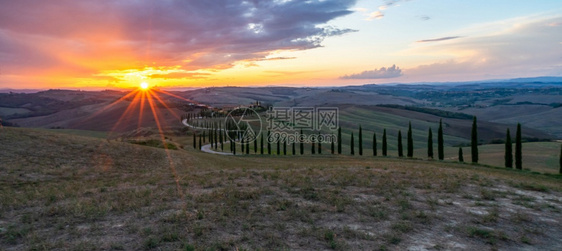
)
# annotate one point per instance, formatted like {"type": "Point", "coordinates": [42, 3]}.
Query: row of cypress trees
{"type": "Point", "coordinates": [217, 137]}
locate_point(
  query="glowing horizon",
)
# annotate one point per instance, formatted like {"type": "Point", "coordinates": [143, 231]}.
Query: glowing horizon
{"type": "Point", "coordinates": [107, 45]}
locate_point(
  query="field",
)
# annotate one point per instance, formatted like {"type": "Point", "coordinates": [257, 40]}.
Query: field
{"type": "Point", "coordinates": [61, 191]}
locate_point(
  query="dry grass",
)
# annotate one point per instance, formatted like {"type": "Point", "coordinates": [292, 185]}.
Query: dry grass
{"type": "Point", "coordinates": [71, 192]}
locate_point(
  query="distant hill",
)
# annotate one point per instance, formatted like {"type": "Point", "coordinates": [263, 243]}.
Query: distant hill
{"type": "Point", "coordinates": [537, 106]}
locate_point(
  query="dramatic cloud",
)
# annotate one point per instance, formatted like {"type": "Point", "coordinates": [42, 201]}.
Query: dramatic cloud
{"type": "Point", "coordinates": [437, 39]}
{"type": "Point", "coordinates": [82, 38]}
{"type": "Point", "coordinates": [383, 72]}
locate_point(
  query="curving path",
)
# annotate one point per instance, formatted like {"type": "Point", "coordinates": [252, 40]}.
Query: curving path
{"type": "Point", "coordinates": [205, 148]}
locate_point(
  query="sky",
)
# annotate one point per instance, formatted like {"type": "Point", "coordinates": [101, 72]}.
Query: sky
{"type": "Point", "coordinates": [109, 44]}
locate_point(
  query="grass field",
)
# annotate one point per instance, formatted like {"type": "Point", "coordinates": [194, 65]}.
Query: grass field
{"type": "Point", "coordinates": [5, 111]}
{"type": "Point", "coordinates": [540, 157]}
{"type": "Point", "coordinates": [60, 191]}
{"type": "Point", "coordinates": [86, 133]}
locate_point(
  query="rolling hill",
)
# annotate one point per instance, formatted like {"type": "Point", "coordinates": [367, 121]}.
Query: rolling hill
{"type": "Point", "coordinates": [61, 191]}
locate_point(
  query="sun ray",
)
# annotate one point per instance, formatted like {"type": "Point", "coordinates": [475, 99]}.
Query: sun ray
{"type": "Point", "coordinates": [105, 108]}
{"type": "Point", "coordinates": [164, 104]}
{"type": "Point", "coordinates": [141, 111]}
{"type": "Point", "coordinates": [163, 139]}
{"type": "Point", "coordinates": [131, 106]}
{"type": "Point", "coordinates": [176, 96]}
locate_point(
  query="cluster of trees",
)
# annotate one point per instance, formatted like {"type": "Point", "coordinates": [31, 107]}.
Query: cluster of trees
{"type": "Point", "coordinates": [217, 135]}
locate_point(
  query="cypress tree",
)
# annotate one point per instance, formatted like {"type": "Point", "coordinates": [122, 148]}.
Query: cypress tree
{"type": "Point", "coordinates": [333, 147]}
{"type": "Point", "coordinates": [508, 150]}
{"type": "Point", "coordinates": [319, 145]}
{"type": "Point", "coordinates": [374, 144]}
{"type": "Point", "coordinates": [360, 140]}
{"type": "Point", "coordinates": [261, 143]}
{"type": "Point", "coordinates": [294, 148]}
{"type": "Point", "coordinates": [461, 158]}
{"type": "Point", "coordinates": [384, 146]}
{"type": "Point", "coordinates": [518, 149]}
{"type": "Point", "coordinates": [400, 153]}
{"type": "Point", "coordinates": [313, 146]}
{"type": "Point", "coordinates": [278, 146]}
{"type": "Point", "coordinates": [233, 147]}
{"type": "Point", "coordinates": [301, 143]}
{"type": "Point", "coordinates": [339, 140]}
{"type": "Point", "coordinates": [255, 144]}
{"type": "Point", "coordinates": [194, 141]}
{"type": "Point", "coordinates": [440, 147]}
{"type": "Point", "coordinates": [352, 145]}
{"type": "Point", "coordinates": [410, 141]}
{"type": "Point", "coordinates": [221, 139]}
{"type": "Point", "coordinates": [268, 142]}
{"type": "Point", "coordinates": [474, 141]}
{"type": "Point", "coordinates": [204, 139]}
{"type": "Point", "coordinates": [430, 144]}
{"type": "Point", "coordinates": [200, 142]}
{"type": "Point", "coordinates": [242, 145]}
{"type": "Point", "coordinates": [284, 147]}
{"type": "Point", "coordinates": [247, 147]}
{"type": "Point", "coordinates": [216, 139]}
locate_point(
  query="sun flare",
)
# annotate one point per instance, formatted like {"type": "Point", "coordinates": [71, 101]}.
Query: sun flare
{"type": "Point", "coordinates": [144, 85]}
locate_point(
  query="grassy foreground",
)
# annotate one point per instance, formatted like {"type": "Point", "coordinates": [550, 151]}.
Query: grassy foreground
{"type": "Point", "coordinates": [60, 191]}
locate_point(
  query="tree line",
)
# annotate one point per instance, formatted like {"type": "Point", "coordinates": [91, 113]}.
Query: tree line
{"type": "Point", "coordinates": [218, 135]}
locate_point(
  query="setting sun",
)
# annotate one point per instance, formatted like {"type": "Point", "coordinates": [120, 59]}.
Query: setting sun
{"type": "Point", "coordinates": [144, 85]}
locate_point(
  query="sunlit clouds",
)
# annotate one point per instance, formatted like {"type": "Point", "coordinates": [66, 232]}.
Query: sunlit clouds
{"type": "Point", "coordinates": [119, 44]}
{"type": "Point", "coordinates": [84, 43]}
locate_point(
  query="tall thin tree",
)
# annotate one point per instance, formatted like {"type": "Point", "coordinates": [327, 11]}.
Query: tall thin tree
{"type": "Point", "coordinates": [319, 144]}
{"type": "Point", "coordinates": [284, 147]}
{"type": "Point", "coordinates": [293, 147]}
{"type": "Point", "coordinates": [430, 144]}
{"type": "Point", "coordinates": [384, 143]}
{"type": "Point", "coordinates": [352, 145]}
{"type": "Point", "coordinates": [461, 158]}
{"type": "Point", "coordinates": [269, 142]}
{"type": "Point", "coordinates": [410, 152]}
{"type": "Point", "coordinates": [508, 156]}
{"type": "Point", "coordinates": [194, 140]}
{"type": "Point", "coordinates": [313, 146]}
{"type": "Point", "coordinates": [400, 150]}
{"type": "Point", "coordinates": [278, 145]}
{"type": "Point", "coordinates": [360, 141]}
{"type": "Point", "coordinates": [301, 144]}
{"type": "Point", "coordinates": [200, 141]}
{"type": "Point", "coordinates": [255, 144]}
{"type": "Point", "coordinates": [374, 144]}
{"type": "Point", "coordinates": [261, 143]}
{"type": "Point", "coordinates": [518, 148]}
{"type": "Point", "coordinates": [440, 146]}
{"type": "Point", "coordinates": [339, 140]}
{"type": "Point", "coordinates": [474, 141]}
{"type": "Point", "coordinates": [333, 148]}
